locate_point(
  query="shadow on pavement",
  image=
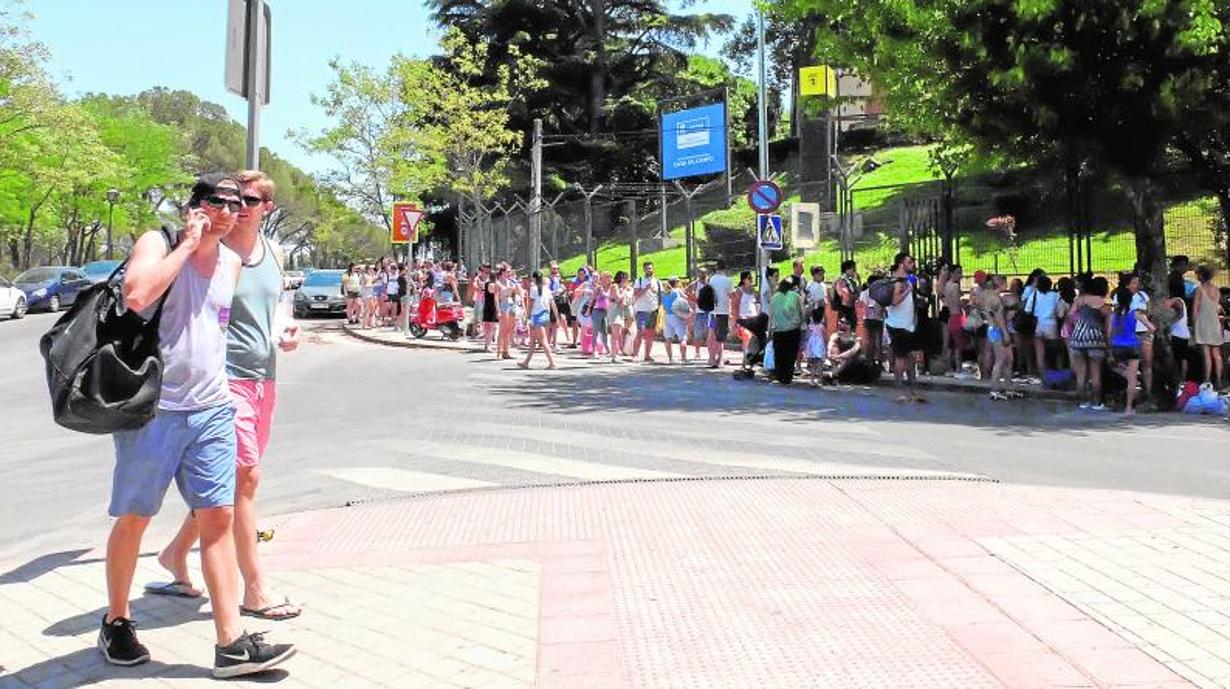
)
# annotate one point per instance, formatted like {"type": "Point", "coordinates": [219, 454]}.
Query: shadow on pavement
{"type": "Point", "coordinates": [40, 566]}
{"type": "Point", "coordinates": [149, 611]}
{"type": "Point", "coordinates": [634, 388]}
{"type": "Point", "coordinates": [86, 667]}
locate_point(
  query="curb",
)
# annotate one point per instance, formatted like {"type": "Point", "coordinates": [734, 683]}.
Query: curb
{"type": "Point", "coordinates": [922, 382]}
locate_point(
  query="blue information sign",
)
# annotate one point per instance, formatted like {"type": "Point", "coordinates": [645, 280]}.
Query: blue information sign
{"type": "Point", "coordinates": [694, 142]}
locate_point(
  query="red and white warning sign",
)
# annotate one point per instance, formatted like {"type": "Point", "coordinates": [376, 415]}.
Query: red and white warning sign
{"type": "Point", "coordinates": [406, 219]}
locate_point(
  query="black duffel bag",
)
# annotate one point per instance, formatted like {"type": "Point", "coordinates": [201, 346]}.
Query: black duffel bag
{"type": "Point", "coordinates": [104, 371]}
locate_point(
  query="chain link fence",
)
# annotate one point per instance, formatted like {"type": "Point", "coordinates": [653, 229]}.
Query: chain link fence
{"type": "Point", "coordinates": [1060, 229]}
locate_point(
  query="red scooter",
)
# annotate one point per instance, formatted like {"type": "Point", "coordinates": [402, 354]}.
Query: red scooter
{"type": "Point", "coordinates": [430, 315]}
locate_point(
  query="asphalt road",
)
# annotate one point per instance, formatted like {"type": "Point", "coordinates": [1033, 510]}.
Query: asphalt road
{"type": "Point", "coordinates": [359, 421]}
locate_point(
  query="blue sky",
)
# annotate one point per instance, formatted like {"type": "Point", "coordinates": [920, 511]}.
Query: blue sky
{"type": "Point", "coordinates": [126, 46]}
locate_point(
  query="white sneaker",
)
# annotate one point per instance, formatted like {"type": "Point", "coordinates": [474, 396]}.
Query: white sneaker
{"type": "Point", "coordinates": [1084, 405]}
{"type": "Point", "coordinates": [1098, 407]}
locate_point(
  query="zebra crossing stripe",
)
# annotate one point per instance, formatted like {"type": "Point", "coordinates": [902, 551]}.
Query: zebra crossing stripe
{"type": "Point", "coordinates": [402, 480]}
{"type": "Point", "coordinates": [527, 461]}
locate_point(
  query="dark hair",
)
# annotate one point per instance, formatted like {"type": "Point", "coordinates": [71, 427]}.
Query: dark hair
{"type": "Point", "coordinates": [1017, 287]}
{"type": "Point", "coordinates": [745, 275]}
{"type": "Point", "coordinates": [899, 259]}
{"type": "Point", "coordinates": [956, 267]}
{"type": "Point", "coordinates": [673, 282]}
{"type": "Point", "coordinates": [785, 286]}
{"type": "Point", "coordinates": [817, 316]}
{"type": "Point", "coordinates": [1044, 284]}
{"type": "Point", "coordinates": [1067, 289]}
{"type": "Point", "coordinates": [848, 264]}
{"type": "Point", "coordinates": [1204, 274]}
{"type": "Point", "coordinates": [1098, 286]}
{"type": "Point", "coordinates": [1034, 275]}
{"type": "Point", "coordinates": [620, 276]}
{"type": "Point", "coordinates": [1125, 278]}
{"type": "Point", "coordinates": [647, 265]}
{"type": "Point", "coordinates": [1123, 300]}
{"type": "Point", "coordinates": [770, 270]}
{"type": "Point", "coordinates": [720, 264]}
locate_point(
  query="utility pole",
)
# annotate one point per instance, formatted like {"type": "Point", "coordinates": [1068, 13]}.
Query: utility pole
{"type": "Point", "coordinates": [535, 209]}
{"type": "Point", "coordinates": [763, 105]}
{"type": "Point", "coordinates": [662, 204]}
{"type": "Point", "coordinates": [591, 257]}
{"type": "Point", "coordinates": [256, 83]}
{"type": "Point", "coordinates": [630, 209]}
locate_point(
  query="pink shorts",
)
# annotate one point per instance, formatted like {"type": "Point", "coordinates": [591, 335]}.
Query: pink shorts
{"type": "Point", "coordinates": [254, 403]}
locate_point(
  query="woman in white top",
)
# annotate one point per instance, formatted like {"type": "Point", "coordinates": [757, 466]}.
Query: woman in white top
{"type": "Point", "coordinates": [541, 303]}
{"type": "Point", "coordinates": [1044, 304]}
{"type": "Point", "coordinates": [743, 299]}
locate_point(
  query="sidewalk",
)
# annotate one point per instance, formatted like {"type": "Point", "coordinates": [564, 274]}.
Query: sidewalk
{"type": "Point", "coordinates": [434, 340]}
{"type": "Point", "coordinates": [776, 583]}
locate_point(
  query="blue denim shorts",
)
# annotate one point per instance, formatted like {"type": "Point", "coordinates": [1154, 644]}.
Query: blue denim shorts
{"type": "Point", "coordinates": [646, 320]}
{"type": "Point", "coordinates": [196, 449]}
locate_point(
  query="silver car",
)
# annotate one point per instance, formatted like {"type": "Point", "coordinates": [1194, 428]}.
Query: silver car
{"type": "Point", "coordinates": [321, 293]}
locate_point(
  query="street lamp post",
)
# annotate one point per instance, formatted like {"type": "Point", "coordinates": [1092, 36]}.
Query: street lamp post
{"type": "Point", "coordinates": [113, 195]}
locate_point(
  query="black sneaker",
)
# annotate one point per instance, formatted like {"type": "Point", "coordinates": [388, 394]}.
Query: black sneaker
{"type": "Point", "coordinates": [118, 643]}
{"type": "Point", "coordinates": [248, 655]}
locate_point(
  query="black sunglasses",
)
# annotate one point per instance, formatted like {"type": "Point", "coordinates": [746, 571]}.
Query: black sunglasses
{"type": "Point", "coordinates": [232, 205]}
{"type": "Point", "coordinates": [252, 201]}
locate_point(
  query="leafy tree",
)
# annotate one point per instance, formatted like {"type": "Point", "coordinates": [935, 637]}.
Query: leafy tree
{"type": "Point", "coordinates": [607, 64]}
{"type": "Point", "coordinates": [1039, 80]}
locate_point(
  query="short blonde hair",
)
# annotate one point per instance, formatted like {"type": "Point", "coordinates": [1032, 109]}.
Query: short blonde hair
{"type": "Point", "coordinates": [262, 181]}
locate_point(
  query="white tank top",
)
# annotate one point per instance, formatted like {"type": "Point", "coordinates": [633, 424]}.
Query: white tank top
{"type": "Point", "coordinates": [192, 338]}
{"type": "Point", "coordinates": [1180, 328]}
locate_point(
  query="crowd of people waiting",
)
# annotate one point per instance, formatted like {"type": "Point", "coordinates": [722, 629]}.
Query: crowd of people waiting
{"type": "Point", "coordinates": [1078, 333]}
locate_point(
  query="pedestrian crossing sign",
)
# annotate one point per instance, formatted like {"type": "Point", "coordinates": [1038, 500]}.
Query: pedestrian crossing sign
{"type": "Point", "coordinates": [769, 232]}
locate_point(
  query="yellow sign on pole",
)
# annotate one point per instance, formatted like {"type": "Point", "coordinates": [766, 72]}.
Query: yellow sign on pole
{"type": "Point", "coordinates": [818, 81]}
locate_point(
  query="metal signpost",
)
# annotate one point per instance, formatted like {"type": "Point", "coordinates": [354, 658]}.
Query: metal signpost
{"type": "Point", "coordinates": [248, 53]}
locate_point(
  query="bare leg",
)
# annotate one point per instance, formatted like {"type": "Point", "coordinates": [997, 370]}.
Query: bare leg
{"type": "Point", "coordinates": [221, 578]}
{"type": "Point", "coordinates": [174, 557]}
{"type": "Point", "coordinates": [547, 350]}
{"type": "Point", "coordinates": [1133, 369]}
{"type": "Point", "coordinates": [1080, 367]}
{"type": "Point", "coordinates": [123, 546]}
{"type": "Point", "coordinates": [1095, 377]}
{"type": "Point", "coordinates": [1146, 365]}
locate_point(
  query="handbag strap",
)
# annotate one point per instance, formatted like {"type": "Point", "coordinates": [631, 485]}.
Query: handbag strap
{"type": "Point", "coordinates": [172, 242]}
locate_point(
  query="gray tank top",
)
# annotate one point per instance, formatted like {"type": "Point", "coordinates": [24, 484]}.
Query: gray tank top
{"type": "Point", "coordinates": [192, 338]}
{"type": "Point", "coordinates": [251, 352]}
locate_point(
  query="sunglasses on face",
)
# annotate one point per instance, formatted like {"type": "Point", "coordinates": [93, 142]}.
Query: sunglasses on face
{"type": "Point", "coordinates": [221, 202]}
{"type": "Point", "coordinates": [252, 201]}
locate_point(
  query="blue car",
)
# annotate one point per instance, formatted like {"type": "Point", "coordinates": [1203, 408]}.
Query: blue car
{"type": "Point", "coordinates": [97, 271]}
{"type": "Point", "coordinates": [49, 288]}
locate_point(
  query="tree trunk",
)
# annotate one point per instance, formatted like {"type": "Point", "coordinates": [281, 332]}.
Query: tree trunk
{"type": "Point", "coordinates": [27, 241]}
{"type": "Point", "coordinates": [598, 75]}
{"type": "Point", "coordinates": [14, 252]}
{"type": "Point", "coordinates": [1150, 223]}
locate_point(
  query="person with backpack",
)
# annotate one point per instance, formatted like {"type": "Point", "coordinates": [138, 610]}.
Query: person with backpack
{"type": "Point", "coordinates": [254, 337]}
{"type": "Point", "coordinates": [873, 318]}
{"type": "Point", "coordinates": [901, 320]}
{"type": "Point", "coordinates": [192, 437]}
{"type": "Point", "coordinates": [702, 297]}
{"type": "Point", "coordinates": [678, 311]}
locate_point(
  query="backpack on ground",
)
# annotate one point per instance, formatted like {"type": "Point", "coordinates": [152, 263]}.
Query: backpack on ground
{"type": "Point", "coordinates": [706, 299]}
{"type": "Point", "coordinates": [104, 369]}
{"type": "Point", "coordinates": [882, 291]}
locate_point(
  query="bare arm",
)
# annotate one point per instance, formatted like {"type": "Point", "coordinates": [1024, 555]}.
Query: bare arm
{"type": "Point", "coordinates": [902, 288]}
{"type": "Point", "coordinates": [152, 268]}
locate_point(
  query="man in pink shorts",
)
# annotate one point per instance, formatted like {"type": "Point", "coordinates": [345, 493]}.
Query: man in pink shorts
{"type": "Point", "coordinates": [253, 338]}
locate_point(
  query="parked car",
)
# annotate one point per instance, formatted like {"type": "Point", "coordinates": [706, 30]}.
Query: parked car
{"type": "Point", "coordinates": [51, 287]}
{"type": "Point", "coordinates": [292, 279]}
{"type": "Point", "coordinates": [321, 293]}
{"type": "Point", "coordinates": [12, 300]}
{"type": "Point", "coordinates": [97, 271]}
